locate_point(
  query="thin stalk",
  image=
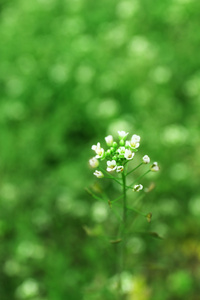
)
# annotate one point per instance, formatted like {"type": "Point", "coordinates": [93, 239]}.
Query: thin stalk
{"type": "Point", "coordinates": [123, 237]}
{"type": "Point", "coordinates": [115, 200]}
{"type": "Point", "coordinates": [139, 178]}
{"type": "Point", "coordinates": [134, 169]}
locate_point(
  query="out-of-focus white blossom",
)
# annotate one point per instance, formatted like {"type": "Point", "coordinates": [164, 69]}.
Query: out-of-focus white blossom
{"type": "Point", "coordinates": [109, 140]}
{"type": "Point", "coordinates": [99, 151]}
{"type": "Point", "coordinates": [146, 159]}
{"type": "Point", "coordinates": [128, 154]}
{"type": "Point", "coordinates": [155, 167]}
{"type": "Point", "coordinates": [122, 134]}
{"type": "Point", "coordinates": [94, 162]}
{"type": "Point", "coordinates": [137, 187]}
{"type": "Point", "coordinates": [135, 141]}
{"type": "Point", "coordinates": [111, 165]}
{"type": "Point", "coordinates": [98, 174]}
{"type": "Point", "coordinates": [119, 169]}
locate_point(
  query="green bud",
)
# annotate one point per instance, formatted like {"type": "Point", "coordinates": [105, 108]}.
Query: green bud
{"type": "Point", "coordinates": [108, 152]}
{"type": "Point", "coordinates": [112, 149]}
{"type": "Point", "coordinates": [114, 157]}
{"type": "Point", "coordinates": [115, 145]}
{"type": "Point", "coordinates": [121, 142]}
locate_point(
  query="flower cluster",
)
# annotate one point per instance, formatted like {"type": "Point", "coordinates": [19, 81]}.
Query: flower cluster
{"type": "Point", "coordinates": [118, 154]}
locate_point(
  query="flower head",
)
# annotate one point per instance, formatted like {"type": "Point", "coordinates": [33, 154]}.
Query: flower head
{"type": "Point", "coordinates": [94, 162]}
{"type": "Point", "coordinates": [109, 140]}
{"type": "Point", "coordinates": [122, 134]}
{"type": "Point", "coordinates": [98, 174]}
{"type": "Point", "coordinates": [146, 159]}
{"type": "Point", "coordinates": [155, 167]}
{"type": "Point", "coordinates": [137, 187]}
{"type": "Point", "coordinates": [111, 165]}
{"type": "Point", "coordinates": [128, 154]}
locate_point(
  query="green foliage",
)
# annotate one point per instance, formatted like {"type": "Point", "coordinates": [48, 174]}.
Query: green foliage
{"type": "Point", "coordinates": [72, 72]}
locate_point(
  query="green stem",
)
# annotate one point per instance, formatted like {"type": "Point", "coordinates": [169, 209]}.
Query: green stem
{"type": "Point", "coordinates": [139, 178]}
{"type": "Point", "coordinates": [134, 169]}
{"type": "Point", "coordinates": [115, 200]}
{"type": "Point", "coordinates": [123, 237]}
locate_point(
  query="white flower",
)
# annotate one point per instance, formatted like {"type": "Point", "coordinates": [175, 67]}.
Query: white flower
{"type": "Point", "coordinates": [111, 165]}
{"type": "Point", "coordinates": [128, 154]}
{"type": "Point", "coordinates": [119, 169]}
{"type": "Point", "coordinates": [99, 151]}
{"type": "Point", "coordinates": [98, 174]}
{"type": "Point", "coordinates": [109, 140]}
{"type": "Point", "coordinates": [121, 151]}
{"type": "Point", "coordinates": [146, 159]}
{"type": "Point", "coordinates": [122, 134]}
{"type": "Point", "coordinates": [94, 147]}
{"type": "Point", "coordinates": [94, 162]}
{"type": "Point", "coordinates": [137, 187]}
{"type": "Point", "coordinates": [135, 141]}
{"type": "Point", "coordinates": [155, 167]}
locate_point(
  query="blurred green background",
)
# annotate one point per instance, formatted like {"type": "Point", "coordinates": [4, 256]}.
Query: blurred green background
{"type": "Point", "coordinates": [72, 72]}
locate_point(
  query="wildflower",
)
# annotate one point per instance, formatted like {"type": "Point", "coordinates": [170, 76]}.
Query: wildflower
{"type": "Point", "coordinates": [111, 165]}
{"type": "Point", "coordinates": [98, 174]}
{"type": "Point", "coordinates": [128, 154]}
{"type": "Point", "coordinates": [119, 169]}
{"type": "Point", "coordinates": [94, 162]}
{"type": "Point", "coordinates": [121, 151]}
{"type": "Point", "coordinates": [99, 151]}
{"type": "Point", "coordinates": [135, 141]}
{"type": "Point", "coordinates": [122, 134]}
{"type": "Point", "coordinates": [137, 187]}
{"type": "Point", "coordinates": [109, 140]}
{"type": "Point", "coordinates": [155, 167]}
{"type": "Point", "coordinates": [146, 159]}
{"type": "Point", "coordinates": [127, 145]}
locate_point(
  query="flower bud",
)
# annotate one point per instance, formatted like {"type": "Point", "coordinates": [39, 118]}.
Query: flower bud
{"type": "Point", "coordinates": [94, 162]}
{"type": "Point", "coordinates": [146, 159]}
{"type": "Point", "coordinates": [155, 167]}
{"type": "Point", "coordinates": [108, 152]}
{"type": "Point", "coordinates": [121, 142]}
{"type": "Point", "coordinates": [112, 149]}
{"type": "Point", "coordinates": [109, 140]}
{"type": "Point", "coordinates": [115, 145]}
